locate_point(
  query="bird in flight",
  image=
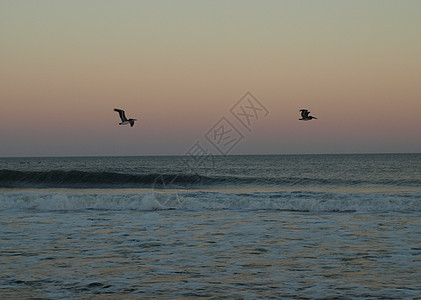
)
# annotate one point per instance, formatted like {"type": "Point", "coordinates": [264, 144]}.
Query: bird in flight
{"type": "Point", "coordinates": [123, 118]}
{"type": "Point", "coordinates": [305, 116]}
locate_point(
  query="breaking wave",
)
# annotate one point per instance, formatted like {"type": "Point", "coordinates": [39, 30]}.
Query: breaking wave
{"type": "Point", "coordinates": [282, 201]}
{"type": "Point", "coordinates": [87, 179]}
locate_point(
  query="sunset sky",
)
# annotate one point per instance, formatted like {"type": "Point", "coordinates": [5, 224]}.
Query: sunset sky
{"type": "Point", "coordinates": [180, 66]}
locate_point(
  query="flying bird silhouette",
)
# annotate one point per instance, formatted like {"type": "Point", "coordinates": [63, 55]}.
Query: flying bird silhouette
{"type": "Point", "coordinates": [305, 116]}
{"type": "Point", "coordinates": [123, 118]}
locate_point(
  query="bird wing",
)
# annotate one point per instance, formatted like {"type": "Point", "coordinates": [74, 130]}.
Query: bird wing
{"type": "Point", "coordinates": [122, 114]}
{"type": "Point", "coordinates": [304, 113]}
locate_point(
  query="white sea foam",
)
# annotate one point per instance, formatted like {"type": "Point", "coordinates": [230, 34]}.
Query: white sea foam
{"type": "Point", "coordinates": [77, 201]}
{"type": "Point", "coordinates": [288, 201]}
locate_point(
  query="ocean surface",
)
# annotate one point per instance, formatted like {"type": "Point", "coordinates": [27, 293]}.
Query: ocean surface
{"type": "Point", "coordinates": [235, 227]}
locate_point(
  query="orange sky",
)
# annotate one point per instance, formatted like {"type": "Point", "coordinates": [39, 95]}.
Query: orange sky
{"type": "Point", "coordinates": [180, 66]}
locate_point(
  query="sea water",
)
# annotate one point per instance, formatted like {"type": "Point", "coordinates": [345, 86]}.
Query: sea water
{"type": "Point", "coordinates": [237, 227]}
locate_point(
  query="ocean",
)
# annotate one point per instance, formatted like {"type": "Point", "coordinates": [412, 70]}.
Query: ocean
{"type": "Point", "coordinates": [235, 227]}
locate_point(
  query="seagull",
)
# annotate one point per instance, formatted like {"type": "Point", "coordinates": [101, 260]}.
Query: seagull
{"type": "Point", "coordinates": [305, 116]}
{"type": "Point", "coordinates": [123, 118]}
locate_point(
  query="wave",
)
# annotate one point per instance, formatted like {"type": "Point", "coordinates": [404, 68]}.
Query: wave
{"type": "Point", "coordinates": [86, 179]}
{"type": "Point", "coordinates": [89, 179]}
{"type": "Point", "coordinates": [300, 201]}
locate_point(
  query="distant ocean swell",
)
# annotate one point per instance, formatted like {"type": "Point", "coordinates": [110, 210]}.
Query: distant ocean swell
{"type": "Point", "coordinates": [85, 179]}
{"type": "Point", "coordinates": [299, 201]}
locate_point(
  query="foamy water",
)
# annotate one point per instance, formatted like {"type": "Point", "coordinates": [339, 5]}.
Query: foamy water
{"type": "Point", "coordinates": [214, 253]}
{"type": "Point", "coordinates": [203, 201]}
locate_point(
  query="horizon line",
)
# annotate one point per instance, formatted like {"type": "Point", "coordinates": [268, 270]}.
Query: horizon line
{"type": "Point", "coordinates": [216, 155]}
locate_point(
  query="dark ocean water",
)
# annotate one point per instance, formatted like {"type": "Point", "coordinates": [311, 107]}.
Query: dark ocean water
{"type": "Point", "coordinates": [273, 226]}
{"type": "Point", "coordinates": [374, 172]}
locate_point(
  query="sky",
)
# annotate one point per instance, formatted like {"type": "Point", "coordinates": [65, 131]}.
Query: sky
{"type": "Point", "coordinates": [186, 68]}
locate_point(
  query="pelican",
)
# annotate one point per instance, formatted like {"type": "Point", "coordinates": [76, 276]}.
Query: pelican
{"type": "Point", "coordinates": [305, 116]}
{"type": "Point", "coordinates": [123, 118]}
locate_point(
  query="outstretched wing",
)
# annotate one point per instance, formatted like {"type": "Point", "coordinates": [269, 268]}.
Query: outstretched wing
{"type": "Point", "coordinates": [122, 114]}
{"type": "Point", "coordinates": [304, 113]}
